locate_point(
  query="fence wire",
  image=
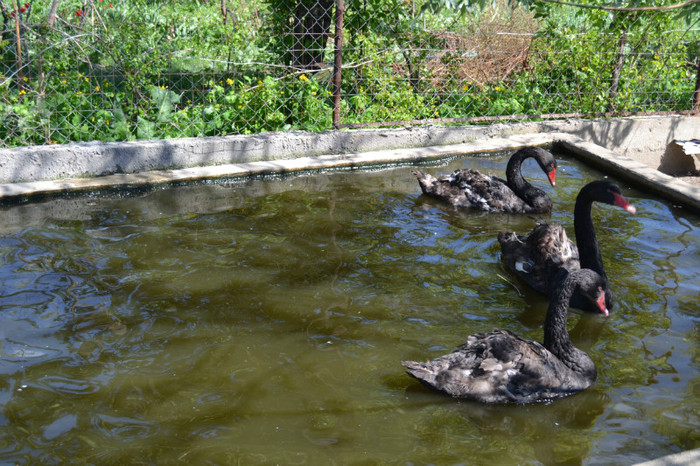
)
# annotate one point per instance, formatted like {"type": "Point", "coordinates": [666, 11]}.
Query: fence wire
{"type": "Point", "coordinates": [94, 70]}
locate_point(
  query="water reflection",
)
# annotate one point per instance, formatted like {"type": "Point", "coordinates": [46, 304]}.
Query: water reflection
{"type": "Point", "coordinates": [263, 321]}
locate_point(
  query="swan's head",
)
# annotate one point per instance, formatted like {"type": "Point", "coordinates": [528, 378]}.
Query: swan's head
{"type": "Point", "coordinates": [547, 163]}
{"type": "Point", "coordinates": [600, 302]}
{"type": "Point", "coordinates": [592, 286]}
{"type": "Point", "coordinates": [607, 192]}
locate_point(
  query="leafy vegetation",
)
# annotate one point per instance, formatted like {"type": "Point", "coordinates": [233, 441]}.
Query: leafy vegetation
{"type": "Point", "coordinates": [142, 69]}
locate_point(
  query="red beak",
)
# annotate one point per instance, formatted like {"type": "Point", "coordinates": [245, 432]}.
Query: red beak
{"type": "Point", "coordinates": [620, 201]}
{"type": "Point", "coordinates": [551, 176]}
{"type": "Point", "coordinates": [601, 302]}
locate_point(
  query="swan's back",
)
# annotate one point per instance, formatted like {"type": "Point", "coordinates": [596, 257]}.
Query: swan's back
{"type": "Point", "coordinates": [468, 188]}
{"type": "Point", "coordinates": [542, 258]}
{"type": "Point", "coordinates": [499, 367]}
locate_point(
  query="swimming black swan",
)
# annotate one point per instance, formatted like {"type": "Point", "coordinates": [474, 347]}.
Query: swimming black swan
{"type": "Point", "coordinates": [501, 367]}
{"type": "Point", "coordinates": [470, 189]}
{"type": "Point", "coordinates": [543, 257]}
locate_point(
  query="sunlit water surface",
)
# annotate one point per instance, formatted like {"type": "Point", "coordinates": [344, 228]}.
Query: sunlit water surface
{"type": "Point", "coordinates": [264, 322]}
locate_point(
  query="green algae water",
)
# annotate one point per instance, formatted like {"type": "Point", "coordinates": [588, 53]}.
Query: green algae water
{"type": "Point", "coordinates": [264, 321]}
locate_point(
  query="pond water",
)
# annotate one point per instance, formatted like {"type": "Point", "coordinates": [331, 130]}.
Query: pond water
{"type": "Point", "coordinates": [263, 321]}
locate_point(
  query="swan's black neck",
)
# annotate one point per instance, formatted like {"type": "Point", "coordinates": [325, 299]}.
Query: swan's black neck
{"type": "Point", "coordinates": [589, 252]}
{"type": "Point", "coordinates": [514, 176]}
{"type": "Point", "coordinates": [556, 336]}
{"type": "Point", "coordinates": [534, 197]}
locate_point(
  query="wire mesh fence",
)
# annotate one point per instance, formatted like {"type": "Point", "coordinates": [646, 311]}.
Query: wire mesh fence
{"type": "Point", "coordinates": [93, 70]}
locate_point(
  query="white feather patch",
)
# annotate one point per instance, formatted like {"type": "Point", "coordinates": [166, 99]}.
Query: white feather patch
{"type": "Point", "coordinates": [523, 266]}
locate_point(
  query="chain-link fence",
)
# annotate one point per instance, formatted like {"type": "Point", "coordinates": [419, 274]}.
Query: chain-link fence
{"type": "Point", "coordinates": [95, 70]}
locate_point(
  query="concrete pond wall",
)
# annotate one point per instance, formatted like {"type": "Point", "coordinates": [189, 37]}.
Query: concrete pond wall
{"type": "Point", "coordinates": [622, 145]}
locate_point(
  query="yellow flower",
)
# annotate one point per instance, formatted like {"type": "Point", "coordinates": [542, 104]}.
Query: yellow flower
{"type": "Point", "coordinates": [86, 80]}
{"type": "Point", "coordinates": [259, 82]}
{"type": "Point", "coordinates": [97, 88]}
{"type": "Point", "coordinates": [303, 77]}
{"type": "Point", "coordinates": [22, 92]}
{"type": "Point", "coordinates": [63, 81]}
{"type": "Point", "coordinates": [498, 88]}
{"type": "Point", "coordinates": [107, 122]}
{"type": "Point", "coordinates": [25, 79]}
{"type": "Point", "coordinates": [313, 93]}
{"type": "Point", "coordinates": [229, 81]}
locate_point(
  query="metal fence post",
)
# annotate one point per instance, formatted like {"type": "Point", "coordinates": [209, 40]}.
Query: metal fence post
{"type": "Point", "coordinates": [338, 62]}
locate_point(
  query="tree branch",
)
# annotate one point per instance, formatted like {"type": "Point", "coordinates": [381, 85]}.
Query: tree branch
{"type": "Point", "coordinates": [626, 9]}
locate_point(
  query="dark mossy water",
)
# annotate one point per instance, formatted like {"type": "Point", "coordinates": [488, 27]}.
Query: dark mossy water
{"type": "Point", "coordinates": [264, 322]}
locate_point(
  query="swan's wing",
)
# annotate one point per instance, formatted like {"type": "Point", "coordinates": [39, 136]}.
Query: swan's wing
{"type": "Point", "coordinates": [541, 258]}
{"type": "Point", "coordinates": [542, 376]}
{"type": "Point", "coordinates": [495, 367]}
{"type": "Point", "coordinates": [550, 244]}
{"type": "Point", "coordinates": [489, 193]}
{"type": "Point", "coordinates": [442, 188]}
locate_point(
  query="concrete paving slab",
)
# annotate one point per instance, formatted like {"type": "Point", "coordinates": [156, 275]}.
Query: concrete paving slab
{"type": "Point", "coordinates": [686, 458]}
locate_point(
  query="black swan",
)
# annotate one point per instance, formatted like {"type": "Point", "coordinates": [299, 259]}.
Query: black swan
{"type": "Point", "coordinates": [544, 257]}
{"type": "Point", "coordinates": [501, 367]}
{"type": "Point", "coordinates": [470, 189]}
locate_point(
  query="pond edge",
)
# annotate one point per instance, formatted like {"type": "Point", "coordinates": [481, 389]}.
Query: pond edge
{"type": "Point", "coordinates": [257, 155]}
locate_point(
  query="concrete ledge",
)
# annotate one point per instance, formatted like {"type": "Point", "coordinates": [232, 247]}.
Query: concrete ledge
{"type": "Point", "coordinates": [644, 139]}
{"type": "Point", "coordinates": [31, 172]}
{"type": "Point", "coordinates": [638, 173]}
{"type": "Point", "coordinates": [686, 458]}
{"type": "Point", "coordinates": [357, 159]}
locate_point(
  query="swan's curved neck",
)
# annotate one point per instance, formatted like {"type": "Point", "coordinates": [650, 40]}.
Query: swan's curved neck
{"type": "Point", "coordinates": [556, 337]}
{"type": "Point", "coordinates": [589, 252]}
{"type": "Point", "coordinates": [514, 176]}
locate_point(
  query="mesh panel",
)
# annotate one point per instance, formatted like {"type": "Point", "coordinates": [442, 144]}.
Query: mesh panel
{"type": "Point", "coordinates": [142, 69]}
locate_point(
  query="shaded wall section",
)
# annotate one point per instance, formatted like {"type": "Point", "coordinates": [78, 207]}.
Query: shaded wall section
{"type": "Point", "coordinates": [644, 139]}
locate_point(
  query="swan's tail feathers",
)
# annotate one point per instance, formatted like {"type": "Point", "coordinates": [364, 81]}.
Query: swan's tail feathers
{"type": "Point", "coordinates": [425, 180]}
{"type": "Point", "coordinates": [421, 371]}
{"type": "Point", "coordinates": [509, 239]}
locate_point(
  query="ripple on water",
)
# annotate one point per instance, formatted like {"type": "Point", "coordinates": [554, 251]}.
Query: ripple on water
{"type": "Point", "coordinates": [124, 428]}
{"type": "Point", "coordinates": [69, 386]}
